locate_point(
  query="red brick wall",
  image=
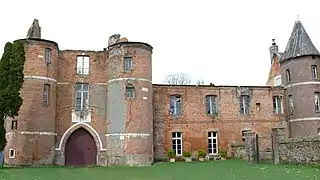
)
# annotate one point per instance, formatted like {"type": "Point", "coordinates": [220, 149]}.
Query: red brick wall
{"type": "Point", "coordinates": [195, 124]}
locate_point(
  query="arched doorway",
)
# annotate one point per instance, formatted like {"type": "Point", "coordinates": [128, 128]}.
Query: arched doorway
{"type": "Point", "coordinates": [80, 149]}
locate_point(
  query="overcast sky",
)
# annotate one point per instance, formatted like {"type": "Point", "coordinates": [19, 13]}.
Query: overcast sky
{"type": "Point", "coordinates": [224, 42]}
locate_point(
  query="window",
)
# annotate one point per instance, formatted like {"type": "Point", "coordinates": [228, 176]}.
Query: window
{"type": "Point", "coordinates": [277, 81]}
{"type": "Point", "coordinates": [83, 65]}
{"type": "Point", "coordinates": [14, 125]}
{"type": "Point", "coordinates": [244, 104]}
{"type": "Point", "coordinates": [12, 153]}
{"type": "Point", "coordinates": [175, 105]}
{"type": "Point", "coordinates": [211, 104]}
{"type": "Point", "coordinates": [177, 143]}
{"type": "Point", "coordinates": [129, 91]}
{"type": "Point", "coordinates": [46, 94]}
{"type": "Point", "coordinates": [243, 135]}
{"type": "Point", "coordinates": [127, 63]}
{"type": "Point", "coordinates": [288, 75]}
{"type": "Point", "coordinates": [212, 143]}
{"type": "Point", "coordinates": [314, 71]}
{"type": "Point", "coordinates": [291, 105]}
{"type": "Point", "coordinates": [316, 101]}
{"type": "Point", "coordinates": [82, 96]}
{"type": "Point", "coordinates": [47, 56]}
{"type": "Point", "coordinates": [277, 104]}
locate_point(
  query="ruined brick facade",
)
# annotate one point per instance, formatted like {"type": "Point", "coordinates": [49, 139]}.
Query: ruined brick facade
{"type": "Point", "coordinates": [131, 120]}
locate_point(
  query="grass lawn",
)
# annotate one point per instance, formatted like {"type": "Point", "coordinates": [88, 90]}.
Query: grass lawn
{"type": "Point", "coordinates": [213, 170]}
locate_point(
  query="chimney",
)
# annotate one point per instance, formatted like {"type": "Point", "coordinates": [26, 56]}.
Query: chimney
{"type": "Point", "coordinates": [273, 49]}
{"type": "Point", "coordinates": [34, 30]}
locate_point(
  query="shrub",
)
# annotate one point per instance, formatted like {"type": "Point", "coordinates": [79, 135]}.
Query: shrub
{"type": "Point", "coordinates": [201, 153]}
{"type": "Point", "coordinates": [187, 154]}
{"type": "Point", "coordinates": [223, 153]}
{"type": "Point", "coordinates": [171, 154]}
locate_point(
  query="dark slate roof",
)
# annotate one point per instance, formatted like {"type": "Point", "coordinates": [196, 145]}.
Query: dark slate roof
{"type": "Point", "coordinates": [299, 43]}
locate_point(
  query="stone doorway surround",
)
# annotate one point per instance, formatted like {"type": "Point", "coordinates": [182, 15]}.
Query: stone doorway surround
{"type": "Point", "coordinates": [60, 151]}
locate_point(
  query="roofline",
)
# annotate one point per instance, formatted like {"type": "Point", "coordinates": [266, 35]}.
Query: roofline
{"type": "Point", "coordinates": [295, 57]}
{"type": "Point", "coordinates": [219, 86]}
{"type": "Point", "coordinates": [130, 42]}
{"type": "Point", "coordinates": [37, 39]}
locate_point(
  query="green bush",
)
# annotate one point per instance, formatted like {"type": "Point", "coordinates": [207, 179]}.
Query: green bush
{"type": "Point", "coordinates": [187, 154]}
{"type": "Point", "coordinates": [171, 154]}
{"type": "Point", "coordinates": [201, 153]}
{"type": "Point", "coordinates": [223, 153]}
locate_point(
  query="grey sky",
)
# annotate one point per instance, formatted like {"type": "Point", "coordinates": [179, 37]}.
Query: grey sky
{"type": "Point", "coordinates": [224, 42]}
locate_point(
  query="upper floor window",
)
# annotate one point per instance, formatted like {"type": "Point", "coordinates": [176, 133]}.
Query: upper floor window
{"type": "Point", "coordinates": [212, 143]}
{"type": "Point", "coordinates": [277, 81]}
{"type": "Point", "coordinates": [316, 101]}
{"type": "Point", "coordinates": [244, 104]}
{"type": "Point", "coordinates": [82, 96]}
{"type": "Point", "coordinates": [83, 65]}
{"type": "Point", "coordinates": [47, 55]}
{"type": "Point", "coordinates": [211, 104]}
{"type": "Point", "coordinates": [288, 75]}
{"type": "Point", "coordinates": [14, 125]}
{"type": "Point", "coordinates": [175, 105]}
{"type": "Point", "coordinates": [127, 63]}
{"type": "Point", "coordinates": [314, 71]}
{"type": "Point", "coordinates": [290, 105]}
{"type": "Point", "coordinates": [46, 94]}
{"type": "Point", "coordinates": [177, 143]}
{"type": "Point", "coordinates": [129, 91]}
{"type": "Point", "coordinates": [277, 104]}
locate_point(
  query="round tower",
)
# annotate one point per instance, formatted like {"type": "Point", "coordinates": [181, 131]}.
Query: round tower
{"type": "Point", "coordinates": [31, 137]}
{"type": "Point", "coordinates": [299, 66]}
{"type": "Point", "coordinates": [129, 103]}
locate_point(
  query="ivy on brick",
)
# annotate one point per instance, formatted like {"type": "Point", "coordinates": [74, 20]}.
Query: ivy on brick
{"type": "Point", "coordinates": [11, 81]}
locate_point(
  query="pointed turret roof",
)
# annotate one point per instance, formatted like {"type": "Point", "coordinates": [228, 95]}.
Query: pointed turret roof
{"type": "Point", "coordinates": [299, 43]}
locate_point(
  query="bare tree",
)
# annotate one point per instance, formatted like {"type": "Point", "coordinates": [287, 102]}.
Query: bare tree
{"type": "Point", "coordinates": [178, 79]}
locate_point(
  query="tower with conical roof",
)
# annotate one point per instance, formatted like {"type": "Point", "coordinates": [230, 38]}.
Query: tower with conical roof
{"type": "Point", "coordinates": [299, 73]}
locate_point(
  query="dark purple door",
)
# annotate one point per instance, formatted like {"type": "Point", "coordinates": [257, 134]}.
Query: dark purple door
{"type": "Point", "coordinates": [81, 149]}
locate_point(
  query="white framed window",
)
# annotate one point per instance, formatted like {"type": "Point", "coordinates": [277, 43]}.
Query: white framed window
{"type": "Point", "coordinates": [177, 143]}
{"type": "Point", "coordinates": [127, 63]}
{"type": "Point", "coordinates": [212, 143]}
{"type": "Point", "coordinates": [82, 96]}
{"type": "Point", "coordinates": [317, 101]}
{"type": "Point", "coordinates": [47, 55]}
{"type": "Point", "coordinates": [211, 104]}
{"type": "Point", "coordinates": [314, 71]}
{"type": "Point", "coordinates": [291, 105]}
{"type": "Point", "coordinates": [244, 104]}
{"type": "Point", "coordinates": [129, 91]}
{"type": "Point", "coordinates": [12, 153]}
{"type": "Point", "coordinates": [277, 104]}
{"type": "Point", "coordinates": [175, 105]}
{"type": "Point", "coordinates": [83, 65]}
{"type": "Point", "coordinates": [277, 81]}
{"type": "Point", "coordinates": [46, 94]}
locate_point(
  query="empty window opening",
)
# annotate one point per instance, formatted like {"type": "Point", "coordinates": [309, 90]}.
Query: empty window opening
{"type": "Point", "coordinates": [175, 105]}
{"type": "Point", "coordinates": [291, 105]}
{"type": "Point", "coordinates": [316, 101]}
{"type": "Point", "coordinates": [46, 94]}
{"type": "Point", "coordinates": [12, 153]}
{"type": "Point", "coordinates": [243, 135]}
{"type": "Point", "coordinates": [212, 143]}
{"type": "Point", "coordinates": [177, 143]}
{"type": "Point", "coordinates": [82, 96]}
{"type": "Point", "coordinates": [211, 104]}
{"type": "Point", "coordinates": [258, 106]}
{"type": "Point", "coordinates": [14, 125]}
{"type": "Point", "coordinates": [244, 104]}
{"type": "Point", "coordinates": [288, 75]}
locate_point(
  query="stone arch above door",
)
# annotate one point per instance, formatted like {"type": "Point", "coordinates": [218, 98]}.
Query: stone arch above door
{"type": "Point", "coordinates": [76, 126]}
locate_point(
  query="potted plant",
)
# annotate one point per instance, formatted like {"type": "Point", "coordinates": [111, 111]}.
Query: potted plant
{"type": "Point", "coordinates": [171, 155]}
{"type": "Point", "coordinates": [187, 156]}
{"type": "Point", "coordinates": [201, 154]}
{"type": "Point", "coordinates": [223, 153]}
